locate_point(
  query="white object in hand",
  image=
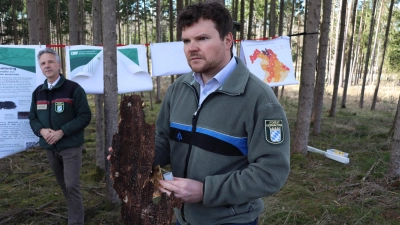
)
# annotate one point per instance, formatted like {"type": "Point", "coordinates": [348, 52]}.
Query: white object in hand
{"type": "Point", "coordinates": [168, 176]}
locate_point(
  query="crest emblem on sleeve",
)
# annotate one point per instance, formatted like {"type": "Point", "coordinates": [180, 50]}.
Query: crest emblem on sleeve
{"type": "Point", "coordinates": [274, 131]}
{"type": "Point", "coordinates": [59, 107]}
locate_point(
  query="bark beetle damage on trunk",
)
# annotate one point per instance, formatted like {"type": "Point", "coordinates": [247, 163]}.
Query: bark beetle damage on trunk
{"type": "Point", "coordinates": [131, 167]}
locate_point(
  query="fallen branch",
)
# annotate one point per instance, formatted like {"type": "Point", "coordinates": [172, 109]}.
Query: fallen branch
{"type": "Point", "coordinates": [370, 170]}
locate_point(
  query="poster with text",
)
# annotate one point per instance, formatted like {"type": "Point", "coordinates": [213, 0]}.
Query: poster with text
{"type": "Point", "coordinates": [270, 60]}
{"type": "Point", "coordinates": [20, 74]}
{"type": "Point", "coordinates": [85, 66]}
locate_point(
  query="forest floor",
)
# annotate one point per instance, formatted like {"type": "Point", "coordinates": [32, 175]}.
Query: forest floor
{"type": "Point", "coordinates": [319, 190]}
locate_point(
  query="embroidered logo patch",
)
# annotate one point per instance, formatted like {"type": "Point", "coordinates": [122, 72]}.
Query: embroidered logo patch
{"type": "Point", "coordinates": [274, 131]}
{"type": "Point", "coordinates": [59, 107]}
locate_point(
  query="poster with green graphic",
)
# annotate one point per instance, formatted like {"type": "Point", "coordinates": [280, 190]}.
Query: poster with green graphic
{"type": "Point", "coordinates": [85, 66]}
{"type": "Point", "coordinates": [19, 76]}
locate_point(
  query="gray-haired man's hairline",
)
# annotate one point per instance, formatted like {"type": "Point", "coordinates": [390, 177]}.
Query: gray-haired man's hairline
{"type": "Point", "coordinates": [50, 51]}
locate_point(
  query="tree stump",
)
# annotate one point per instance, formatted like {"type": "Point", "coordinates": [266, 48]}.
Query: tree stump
{"type": "Point", "coordinates": [131, 168]}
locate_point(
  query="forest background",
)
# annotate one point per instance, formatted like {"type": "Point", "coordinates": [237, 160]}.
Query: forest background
{"type": "Point", "coordinates": [351, 47]}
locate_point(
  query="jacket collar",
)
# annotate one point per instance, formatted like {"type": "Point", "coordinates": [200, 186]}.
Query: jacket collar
{"type": "Point", "coordinates": [235, 84]}
{"type": "Point", "coordinates": [59, 83]}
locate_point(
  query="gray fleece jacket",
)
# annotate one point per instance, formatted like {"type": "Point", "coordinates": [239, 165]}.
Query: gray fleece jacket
{"type": "Point", "coordinates": [237, 143]}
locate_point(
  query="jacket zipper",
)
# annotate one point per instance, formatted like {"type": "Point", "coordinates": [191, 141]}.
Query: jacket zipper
{"type": "Point", "coordinates": [194, 122]}
{"type": "Point", "coordinates": [49, 97]}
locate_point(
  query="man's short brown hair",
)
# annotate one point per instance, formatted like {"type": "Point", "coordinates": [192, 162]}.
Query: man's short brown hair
{"type": "Point", "coordinates": [213, 11]}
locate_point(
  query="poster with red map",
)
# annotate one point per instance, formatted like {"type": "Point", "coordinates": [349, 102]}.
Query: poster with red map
{"type": "Point", "coordinates": [270, 60]}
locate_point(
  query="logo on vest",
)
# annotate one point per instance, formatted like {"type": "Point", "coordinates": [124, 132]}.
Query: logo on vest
{"type": "Point", "coordinates": [274, 131]}
{"type": "Point", "coordinates": [59, 107]}
{"type": "Point", "coordinates": [179, 136]}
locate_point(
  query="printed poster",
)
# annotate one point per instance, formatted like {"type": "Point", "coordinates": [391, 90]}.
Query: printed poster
{"type": "Point", "coordinates": [85, 66]}
{"type": "Point", "coordinates": [20, 74]}
{"type": "Point", "coordinates": [169, 58]}
{"type": "Point", "coordinates": [270, 60]}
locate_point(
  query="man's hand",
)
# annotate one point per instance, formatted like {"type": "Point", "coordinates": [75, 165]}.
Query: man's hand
{"type": "Point", "coordinates": [45, 132]}
{"type": "Point", "coordinates": [54, 136]}
{"type": "Point", "coordinates": [190, 191]}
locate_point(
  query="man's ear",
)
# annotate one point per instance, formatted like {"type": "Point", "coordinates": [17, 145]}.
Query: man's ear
{"type": "Point", "coordinates": [229, 40]}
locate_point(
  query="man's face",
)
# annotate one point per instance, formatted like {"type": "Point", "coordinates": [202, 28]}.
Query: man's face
{"type": "Point", "coordinates": [205, 52]}
{"type": "Point", "coordinates": [49, 65]}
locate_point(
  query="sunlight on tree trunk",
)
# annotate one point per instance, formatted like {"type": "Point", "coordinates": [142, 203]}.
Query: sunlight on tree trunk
{"type": "Point", "coordinates": [306, 93]}
{"type": "Point", "coordinates": [338, 60]}
{"type": "Point", "coordinates": [383, 55]}
{"type": "Point", "coordinates": [349, 53]}
{"type": "Point", "coordinates": [321, 71]}
{"type": "Point", "coordinates": [367, 56]}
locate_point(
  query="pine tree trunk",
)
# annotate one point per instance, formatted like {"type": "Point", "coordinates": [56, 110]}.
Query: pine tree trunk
{"type": "Point", "coordinates": [321, 71]}
{"type": "Point", "coordinates": [250, 21]}
{"type": "Point", "coordinates": [307, 78]}
{"type": "Point", "coordinates": [367, 56]}
{"type": "Point", "coordinates": [101, 151]}
{"type": "Point", "coordinates": [394, 162]}
{"type": "Point", "coordinates": [265, 18]}
{"type": "Point", "coordinates": [41, 20]}
{"type": "Point", "coordinates": [82, 22]}
{"type": "Point", "coordinates": [338, 63]}
{"type": "Point", "coordinates": [158, 40]}
{"type": "Point", "coordinates": [383, 55]}
{"type": "Point", "coordinates": [110, 85]}
{"type": "Point", "coordinates": [350, 52]}
{"type": "Point", "coordinates": [241, 36]}
{"type": "Point", "coordinates": [31, 11]}
{"type": "Point", "coordinates": [73, 22]}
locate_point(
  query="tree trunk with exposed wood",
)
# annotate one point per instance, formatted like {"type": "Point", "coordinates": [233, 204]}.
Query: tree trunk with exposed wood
{"type": "Point", "coordinates": [135, 179]}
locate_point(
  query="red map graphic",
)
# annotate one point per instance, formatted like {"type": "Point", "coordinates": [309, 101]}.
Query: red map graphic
{"type": "Point", "coordinates": [275, 70]}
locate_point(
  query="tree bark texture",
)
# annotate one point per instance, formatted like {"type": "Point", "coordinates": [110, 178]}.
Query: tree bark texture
{"type": "Point", "coordinates": [250, 26]}
{"type": "Point", "coordinates": [73, 12]}
{"type": "Point", "coordinates": [98, 98]}
{"type": "Point", "coordinates": [321, 69]}
{"type": "Point", "coordinates": [131, 168]}
{"type": "Point", "coordinates": [41, 20]}
{"type": "Point", "coordinates": [110, 84]}
{"type": "Point", "coordinates": [394, 163]}
{"type": "Point", "coordinates": [14, 16]}
{"type": "Point", "coordinates": [350, 53]}
{"type": "Point", "coordinates": [31, 11]}
{"type": "Point", "coordinates": [338, 60]}
{"type": "Point", "coordinates": [158, 40]}
{"type": "Point", "coordinates": [306, 93]}
{"type": "Point", "coordinates": [367, 56]}
{"type": "Point", "coordinates": [272, 19]}
{"type": "Point", "coordinates": [383, 55]}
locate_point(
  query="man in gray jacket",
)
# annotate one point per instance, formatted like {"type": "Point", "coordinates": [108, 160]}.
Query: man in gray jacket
{"type": "Point", "coordinates": [221, 128]}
